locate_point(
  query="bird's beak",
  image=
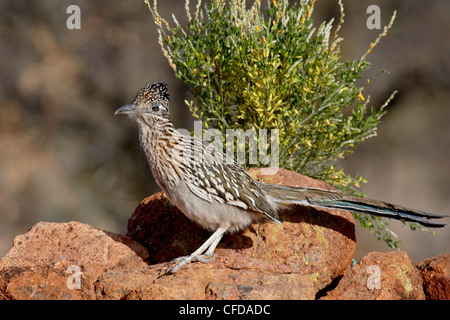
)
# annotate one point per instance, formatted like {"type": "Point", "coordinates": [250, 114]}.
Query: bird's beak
{"type": "Point", "coordinates": [128, 108]}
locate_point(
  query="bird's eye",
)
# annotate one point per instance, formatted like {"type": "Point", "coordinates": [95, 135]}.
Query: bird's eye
{"type": "Point", "coordinates": [155, 107]}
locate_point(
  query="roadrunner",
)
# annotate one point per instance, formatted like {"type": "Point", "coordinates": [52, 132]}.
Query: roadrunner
{"type": "Point", "coordinates": [215, 192]}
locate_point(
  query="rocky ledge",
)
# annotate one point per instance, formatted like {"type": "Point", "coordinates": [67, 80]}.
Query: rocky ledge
{"type": "Point", "coordinates": [307, 257]}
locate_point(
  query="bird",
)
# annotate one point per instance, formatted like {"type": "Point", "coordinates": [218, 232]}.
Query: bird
{"type": "Point", "coordinates": [211, 189]}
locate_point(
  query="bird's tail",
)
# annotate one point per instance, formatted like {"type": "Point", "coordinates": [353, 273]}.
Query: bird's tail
{"type": "Point", "coordinates": [284, 196]}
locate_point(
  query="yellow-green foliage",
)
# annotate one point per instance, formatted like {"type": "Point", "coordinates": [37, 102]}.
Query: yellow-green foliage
{"type": "Point", "coordinates": [273, 68]}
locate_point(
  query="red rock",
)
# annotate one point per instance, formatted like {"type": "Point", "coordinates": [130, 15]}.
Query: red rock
{"type": "Point", "coordinates": [435, 274]}
{"type": "Point", "coordinates": [380, 276]}
{"type": "Point", "coordinates": [202, 281]}
{"type": "Point", "coordinates": [47, 261]}
{"type": "Point", "coordinates": [318, 244]}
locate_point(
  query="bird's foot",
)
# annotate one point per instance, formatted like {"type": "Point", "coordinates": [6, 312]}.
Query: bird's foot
{"type": "Point", "coordinates": [181, 261]}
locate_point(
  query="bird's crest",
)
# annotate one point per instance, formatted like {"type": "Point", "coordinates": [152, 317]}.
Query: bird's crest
{"type": "Point", "coordinates": [153, 92]}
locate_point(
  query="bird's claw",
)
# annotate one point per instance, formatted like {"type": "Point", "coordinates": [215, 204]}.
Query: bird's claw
{"type": "Point", "coordinates": [181, 261]}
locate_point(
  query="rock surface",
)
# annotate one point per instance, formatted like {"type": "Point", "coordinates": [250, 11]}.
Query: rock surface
{"type": "Point", "coordinates": [380, 276]}
{"type": "Point", "coordinates": [436, 277]}
{"type": "Point", "coordinates": [62, 261]}
{"type": "Point", "coordinates": [203, 281]}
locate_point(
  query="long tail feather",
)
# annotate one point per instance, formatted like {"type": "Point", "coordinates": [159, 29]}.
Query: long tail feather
{"type": "Point", "coordinates": [286, 196]}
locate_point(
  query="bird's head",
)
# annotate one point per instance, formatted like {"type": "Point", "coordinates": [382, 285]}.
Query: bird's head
{"type": "Point", "coordinates": [152, 100]}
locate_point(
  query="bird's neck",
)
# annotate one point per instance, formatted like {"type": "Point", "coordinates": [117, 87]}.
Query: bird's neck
{"type": "Point", "coordinates": [159, 140]}
{"type": "Point", "coordinates": [155, 135]}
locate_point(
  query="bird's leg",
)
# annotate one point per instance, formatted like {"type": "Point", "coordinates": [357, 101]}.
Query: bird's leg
{"type": "Point", "coordinates": [209, 246]}
{"type": "Point", "coordinates": [212, 247]}
{"type": "Point", "coordinates": [209, 255]}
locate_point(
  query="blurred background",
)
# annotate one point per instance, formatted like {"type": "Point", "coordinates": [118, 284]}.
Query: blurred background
{"type": "Point", "coordinates": [64, 156]}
